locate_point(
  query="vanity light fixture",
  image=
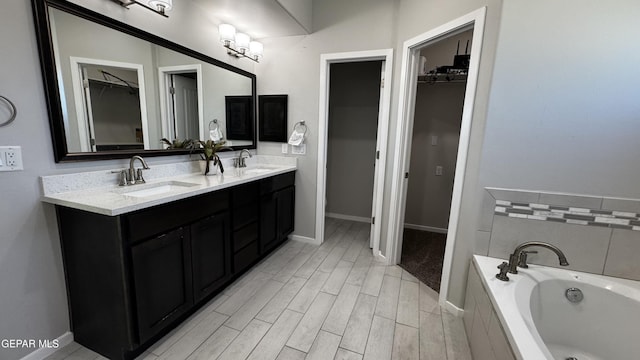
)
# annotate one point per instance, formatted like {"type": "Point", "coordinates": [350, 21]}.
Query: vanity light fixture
{"type": "Point", "coordinates": [239, 44]}
{"type": "Point", "coordinates": [159, 7]}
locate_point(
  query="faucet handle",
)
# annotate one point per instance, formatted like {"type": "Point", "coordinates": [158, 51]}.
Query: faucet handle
{"type": "Point", "coordinates": [122, 178]}
{"type": "Point", "coordinates": [504, 268]}
{"type": "Point", "coordinates": [139, 178]}
{"type": "Point", "coordinates": [522, 261]}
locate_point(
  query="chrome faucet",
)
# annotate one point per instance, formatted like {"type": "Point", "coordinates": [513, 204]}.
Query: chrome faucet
{"type": "Point", "coordinates": [519, 258]}
{"type": "Point", "coordinates": [239, 161]}
{"type": "Point", "coordinates": [135, 176]}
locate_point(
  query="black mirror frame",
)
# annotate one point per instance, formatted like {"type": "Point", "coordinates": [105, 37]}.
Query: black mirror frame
{"type": "Point", "coordinates": [51, 89]}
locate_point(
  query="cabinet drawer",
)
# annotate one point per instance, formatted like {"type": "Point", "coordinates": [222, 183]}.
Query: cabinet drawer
{"type": "Point", "coordinates": [245, 257]}
{"type": "Point", "coordinates": [245, 236]}
{"type": "Point", "coordinates": [244, 215]}
{"type": "Point", "coordinates": [244, 194]}
{"type": "Point", "coordinates": [277, 182]}
{"type": "Point", "coordinates": [159, 219]}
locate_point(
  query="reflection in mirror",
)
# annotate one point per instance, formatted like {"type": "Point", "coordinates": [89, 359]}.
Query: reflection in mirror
{"type": "Point", "coordinates": [118, 92]}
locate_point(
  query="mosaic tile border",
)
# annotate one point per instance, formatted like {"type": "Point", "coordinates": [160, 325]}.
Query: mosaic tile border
{"type": "Point", "coordinates": [569, 215]}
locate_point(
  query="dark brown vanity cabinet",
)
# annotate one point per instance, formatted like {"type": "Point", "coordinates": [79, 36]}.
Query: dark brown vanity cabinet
{"type": "Point", "coordinates": [277, 203]}
{"type": "Point", "coordinates": [133, 277]}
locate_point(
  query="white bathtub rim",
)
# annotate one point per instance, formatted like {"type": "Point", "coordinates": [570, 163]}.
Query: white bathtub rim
{"type": "Point", "coordinates": [523, 337]}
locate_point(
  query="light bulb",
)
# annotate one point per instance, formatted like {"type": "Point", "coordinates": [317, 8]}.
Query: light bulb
{"type": "Point", "coordinates": [227, 33]}
{"type": "Point", "coordinates": [256, 49]}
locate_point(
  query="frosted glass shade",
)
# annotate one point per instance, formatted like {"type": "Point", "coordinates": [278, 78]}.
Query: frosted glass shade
{"type": "Point", "coordinates": [256, 49]}
{"type": "Point", "coordinates": [161, 5]}
{"type": "Point", "coordinates": [227, 32]}
{"type": "Point", "coordinates": [242, 41]}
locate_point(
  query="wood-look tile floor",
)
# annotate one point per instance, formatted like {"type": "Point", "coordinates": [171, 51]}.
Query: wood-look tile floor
{"type": "Point", "coordinates": [332, 301]}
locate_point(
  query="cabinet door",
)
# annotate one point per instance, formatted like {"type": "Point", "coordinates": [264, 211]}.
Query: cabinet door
{"type": "Point", "coordinates": [286, 210]}
{"type": "Point", "coordinates": [268, 222]}
{"type": "Point", "coordinates": [162, 281]}
{"type": "Point", "coordinates": [211, 254]}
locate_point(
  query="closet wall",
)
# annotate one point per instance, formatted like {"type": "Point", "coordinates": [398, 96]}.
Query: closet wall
{"type": "Point", "coordinates": [436, 133]}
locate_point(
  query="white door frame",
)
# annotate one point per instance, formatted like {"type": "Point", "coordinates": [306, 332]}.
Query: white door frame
{"type": "Point", "coordinates": [383, 128]}
{"type": "Point", "coordinates": [78, 96]}
{"type": "Point", "coordinates": [164, 72]}
{"type": "Point", "coordinates": [406, 107]}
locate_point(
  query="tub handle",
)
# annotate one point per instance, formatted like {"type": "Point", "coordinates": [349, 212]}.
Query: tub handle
{"type": "Point", "coordinates": [504, 268]}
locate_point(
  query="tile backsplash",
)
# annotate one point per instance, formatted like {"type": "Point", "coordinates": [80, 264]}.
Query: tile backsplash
{"type": "Point", "coordinates": [598, 234]}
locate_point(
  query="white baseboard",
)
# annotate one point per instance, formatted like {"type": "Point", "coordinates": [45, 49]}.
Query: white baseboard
{"type": "Point", "coordinates": [381, 258]}
{"type": "Point", "coordinates": [42, 353]}
{"type": "Point", "coordinates": [426, 228]}
{"type": "Point", "coordinates": [348, 217]}
{"type": "Point", "coordinates": [454, 310]}
{"type": "Point", "coordinates": [304, 239]}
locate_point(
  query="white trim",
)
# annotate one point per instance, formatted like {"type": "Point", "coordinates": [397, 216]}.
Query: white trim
{"type": "Point", "coordinates": [454, 310]}
{"type": "Point", "coordinates": [380, 258]}
{"type": "Point", "coordinates": [163, 74]}
{"type": "Point", "coordinates": [348, 217]}
{"type": "Point", "coordinates": [42, 353]}
{"type": "Point", "coordinates": [383, 128]}
{"type": "Point", "coordinates": [406, 107]}
{"type": "Point", "coordinates": [304, 239]}
{"type": "Point", "coordinates": [78, 91]}
{"type": "Point", "coordinates": [426, 228]}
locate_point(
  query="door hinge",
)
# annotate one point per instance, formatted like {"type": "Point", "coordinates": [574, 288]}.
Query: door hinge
{"type": "Point", "coordinates": [373, 220]}
{"type": "Point", "coordinates": [378, 155]}
{"type": "Point", "coordinates": [85, 84]}
{"type": "Point", "coordinates": [382, 83]}
{"type": "Point", "coordinates": [406, 175]}
{"type": "Point", "coordinates": [172, 90]}
{"type": "Point", "coordinates": [92, 142]}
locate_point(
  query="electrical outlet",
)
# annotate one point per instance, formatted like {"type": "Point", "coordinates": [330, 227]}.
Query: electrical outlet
{"type": "Point", "coordinates": [434, 140]}
{"type": "Point", "coordinates": [438, 170]}
{"type": "Point", "coordinates": [10, 158]}
{"type": "Point", "coordinates": [285, 148]}
{"type": "Point", "coordinates": [299, 150]}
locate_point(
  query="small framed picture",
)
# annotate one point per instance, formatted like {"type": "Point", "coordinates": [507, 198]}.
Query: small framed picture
{"type": "Point", "coordinates": [273, 117]}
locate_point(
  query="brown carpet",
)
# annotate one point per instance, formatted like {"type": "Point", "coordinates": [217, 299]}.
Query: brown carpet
{"type": "Point", "coordinates": [422, 256]}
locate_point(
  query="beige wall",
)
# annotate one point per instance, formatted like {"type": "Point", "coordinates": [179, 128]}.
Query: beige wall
{"type": "Point", "coordinates": [351, 147]}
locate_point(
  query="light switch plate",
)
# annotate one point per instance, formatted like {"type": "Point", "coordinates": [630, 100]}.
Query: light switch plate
{"type": "Point", "coordinates": [10, 158]}
{"type": "Point", "coordinates": [285, 148]}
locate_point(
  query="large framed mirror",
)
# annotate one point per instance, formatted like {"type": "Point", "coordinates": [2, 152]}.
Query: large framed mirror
{"type": "Point", "coordinates": [113, 90]}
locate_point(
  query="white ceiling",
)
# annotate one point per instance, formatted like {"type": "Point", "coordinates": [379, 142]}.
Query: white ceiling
{"type": "Point", "coordinates": [258, 18]}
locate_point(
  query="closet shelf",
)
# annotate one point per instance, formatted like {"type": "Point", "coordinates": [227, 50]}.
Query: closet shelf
{"type": "Point", "coordinates": [437, 78]}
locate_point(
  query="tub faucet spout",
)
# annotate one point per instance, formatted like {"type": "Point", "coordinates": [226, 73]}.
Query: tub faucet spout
{"type": "Point", "coordinates": [515, 257]}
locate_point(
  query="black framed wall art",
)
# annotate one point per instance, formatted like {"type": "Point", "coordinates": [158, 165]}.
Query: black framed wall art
{"type": "Point", "coordinates": [272, 115]}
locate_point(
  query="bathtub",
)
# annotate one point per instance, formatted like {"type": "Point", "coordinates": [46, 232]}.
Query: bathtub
{"type": "Point", "coordinates": [541, 323]}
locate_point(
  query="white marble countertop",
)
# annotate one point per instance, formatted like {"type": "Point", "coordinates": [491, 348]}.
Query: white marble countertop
{"type": "Point", "coordinates": [112, 200]}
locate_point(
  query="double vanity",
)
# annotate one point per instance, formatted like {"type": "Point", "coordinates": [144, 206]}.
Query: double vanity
{"type": "Point", "coordinates": [140, 258]}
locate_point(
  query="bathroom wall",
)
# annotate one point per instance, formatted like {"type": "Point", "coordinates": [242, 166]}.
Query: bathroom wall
{"type": "Point", "coordinates": [33, 302]}
{"type": "Point", "coordinates": [438, 113]}
{"type": "Point", "coordinates": [558, 124]}
{"type": "Point", "coordinates": [351, 145]}
{"type": "Point", "coordinates": [293, 67]}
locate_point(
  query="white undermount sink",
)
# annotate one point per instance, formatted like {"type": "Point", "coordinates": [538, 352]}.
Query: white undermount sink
{"type": "Point", "coordinates": [256, 171]}
{"type": "Point", "coordinates": [146, 190]}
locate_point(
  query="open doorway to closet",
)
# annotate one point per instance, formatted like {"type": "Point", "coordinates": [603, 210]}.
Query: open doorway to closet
{"type": "Point", "coordinates": [439, 103]}
{"type": "Point", "coordinates": [352, 133]}
{"type": "Point", "coordinates": [354, 99]}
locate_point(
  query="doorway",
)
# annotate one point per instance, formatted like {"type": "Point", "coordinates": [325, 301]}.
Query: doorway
{"type": "Point", "coordinates": [354, 98]}
{"type": "Point", "coordinates": [181, 102]}
{"type": "Point", "coordinates": [435, 136]}
{"type": "Point", "coordinates": [406, 107]}
{"type": "Point", "coordinates": [377, 159]}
